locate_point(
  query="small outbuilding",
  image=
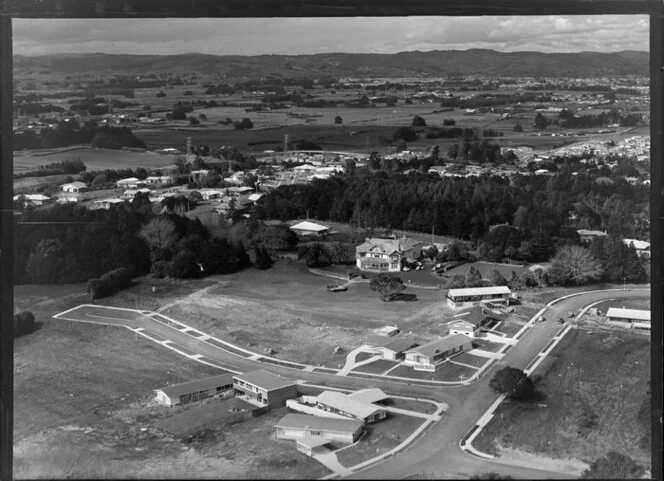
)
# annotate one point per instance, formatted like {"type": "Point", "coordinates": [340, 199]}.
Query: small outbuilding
{"type": "Point", "coordinates": [310, 229]}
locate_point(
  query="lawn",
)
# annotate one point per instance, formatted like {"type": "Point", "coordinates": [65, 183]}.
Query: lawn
{"type": "Point", "coordinates": [410, 404]}
{"type": "Point", "coordinates": [485, 269]}
{"type": "Point", "coordinates": [591, 391]}
{"type": "Point", "coordinates": [447, 372]}
{"type": "Point", "coordinates": [454, 372]}
{"type": "Point", "coordinates": [380, 438]}
{"type": "Point", "coordinates": [471, 359]}
{"type": "Point", "coordinates": [637, 303]}
{"type": "Point", "coordinates": [376, 367]}
{"type": "Point", "coordinates": [487, 345]}
{"type": "Point", "coordinates": [509, 328]}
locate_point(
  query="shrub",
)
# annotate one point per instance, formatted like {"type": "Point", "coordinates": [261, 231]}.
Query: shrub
{"type": "Point", "coordinates": [24, 323]}
{"type": "Point", "coordinates": [109, 283]}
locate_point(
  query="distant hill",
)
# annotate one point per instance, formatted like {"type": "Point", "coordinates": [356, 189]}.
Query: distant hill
{"type": "Point", "coordinates": [403, 64]}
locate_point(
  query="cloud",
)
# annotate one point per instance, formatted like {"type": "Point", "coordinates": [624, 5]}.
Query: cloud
{"type": "Point", "coordinates": [312, 35]}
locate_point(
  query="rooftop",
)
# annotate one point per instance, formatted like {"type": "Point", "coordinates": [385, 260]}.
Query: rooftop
{"type": "Point", "coordinates": [441, 345]}
{"type": "Point", "coordinates": [370, 395]}
{"type": "Point", "coordinates": [204, 384]}
{"type": "Point", "coordinates": [347, 404]}
{"type": "Point", "coordinates": [387, 246]}
{"type": "Point", "coordinates": [264, 379]}
{"type": "Point", "coordinates": [479, 291]}
{"type": "Point", "coordinates": [622, 313]}
{"type": "Point", "coordinates": [306, 225]}
{"type": "Point", "coordinates": [304, 421]}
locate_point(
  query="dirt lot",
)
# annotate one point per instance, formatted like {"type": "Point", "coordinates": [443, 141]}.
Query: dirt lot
{"type": "Point", "coordinates": [289, 310]}
{"type": "Point", "coordinates": [591, 391]}
{"type": "Point", "coordinates": [84, 406]}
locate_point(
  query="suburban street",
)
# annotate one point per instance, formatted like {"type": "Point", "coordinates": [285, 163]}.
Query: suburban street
{"type": "Point", "coordinates": [437, 452]}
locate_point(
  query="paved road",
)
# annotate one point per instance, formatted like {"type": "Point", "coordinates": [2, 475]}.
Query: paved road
{"type": "Point", "coordinates": [437, 452]}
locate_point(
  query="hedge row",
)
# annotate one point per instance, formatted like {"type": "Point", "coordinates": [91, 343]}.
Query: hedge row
{"type": "Point", "coordinates": [109, 283]}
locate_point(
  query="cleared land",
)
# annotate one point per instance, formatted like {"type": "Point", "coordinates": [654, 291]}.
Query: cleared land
{"type": "Point", "coordinates": [591, 390]}
{"type": "Point", "coordinates": [289, 310]}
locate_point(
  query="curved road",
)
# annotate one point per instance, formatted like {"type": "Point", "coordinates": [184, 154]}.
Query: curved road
{"type": "Point", "coordinates": [437, 452]}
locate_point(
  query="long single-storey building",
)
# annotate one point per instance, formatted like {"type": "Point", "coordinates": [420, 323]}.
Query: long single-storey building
{"type": "Point", "coordinates": [336, 402]}
{"type": "Point", "coordinates": [638, 319]}
{"type": "Point", "coordinates": [262, 388]}
{"type": "Point", "coordinates": [309, 229]}
{"type": "Point", "coordinates": [195, 390]}
{"type": "Point", "coordinates": [311, 432]}
{"type": "Point", "coordinates": [430, 356]}
{"type": "Point", "coordinates": [470, 322]}
{"type": "Point", "coordinates": [476, 296]}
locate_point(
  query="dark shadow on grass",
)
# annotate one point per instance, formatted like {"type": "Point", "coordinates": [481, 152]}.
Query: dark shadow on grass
{"type": "Point", "coordinates": [32, 329]}
{"type": "Point", "coordinates": [402, 297]}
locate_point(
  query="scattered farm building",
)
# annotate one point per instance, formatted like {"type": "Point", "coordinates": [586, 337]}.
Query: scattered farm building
{"type": "Point", "coordinates": [195, 390]}
{"type": "Point", "coordinates": [477, 296]}
{"type": "Point", "coordinates": [311, 432]}
{"type": "Point", "coordinates": [428, 357]}
{"type": "Point", "coordinates": [263, 388]}
{"type": "Point", "coordinates": [386, 255]}
{"type": "Point", "coordinates": [310, 229]}
{"type": "Point", "coordinates": [638, 319]}
{"type": "Point", "coordinates": [74, 187]}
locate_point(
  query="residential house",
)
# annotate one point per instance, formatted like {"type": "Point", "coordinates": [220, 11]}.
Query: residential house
{"type": "Point", "coordinates": [130, 183]}
{"type": "Point", "coordinates": [238, 191]}
{"type": "Point", "coordinates": [470, 322]}
{"type": "Point", "coordinates": [429, 356]}
{"type": "Point", "coordinates": [394, 349]}
{"type": "Point", "coordinates": [105, 203]}
{"type": "Point", "coordinates": [336, 405]}
{"type": "Point", "coordinates": [312, 432]}
{"type": "Point", "coordinates": [638, 319]}
{"type": "Point", "coordinates": [477, 296]}
{"type": "Point", "coordinates": [192, 391]}
{"type": "Point", "coordinates": [197, 176]}
{"type": "Point", "coordinates": [263, 388]}
{"type": "Point", "coordinates": [310, 229]}
{"type": "Point", "coordinates": [586, 236]}
{"type": "Point", "coordinates": [74, 187]}
{"type": "Point", "coordinates": [237, 178]}
{"type": "Point", "coordinates": [158, 180]}
{"type": "Point", "coordinates": [387, 331]}
{"type": "Point", "coordinates": [386, 255]}
{"type": "Point", "coordinates": [642, 247]}
{"type": "Point", "coordinates": [209, 194]}
{"type": "Point", "coordinates": [131, 193]}
{"type": "Point", "coordinates": [33, 199]}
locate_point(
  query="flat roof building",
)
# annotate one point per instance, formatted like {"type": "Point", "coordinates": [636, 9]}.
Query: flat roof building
{"type": "Point", "coordinates": [638, 319]}
{"type": "Point", "coordinates": [262, 388]}
{"type": "Point", "coordinates": [476, 296]}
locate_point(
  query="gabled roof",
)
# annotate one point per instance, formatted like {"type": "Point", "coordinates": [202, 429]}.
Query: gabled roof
{"type": "Point", "coordinates": [77, 185]}
{"type": "Point", "coordinates": [440, 345]}
{"type": "Point", "coordinates": [400, 344]}
{"type": "Point", "coordinates": [591, 232]}
{"type": "Point", "coordinates": [622, 313]}
{"type": "Point", "coordinates": [371, 395]}
{"type": "Point", "coordinates": [479, 291]}
{"type": "Point", "coordinates": [346, 404]}
{"type": "Point", "coordinates": [306, 225]}
{"type": "Point", "coordinates": [204, 384]}
{"type": "Point", "coordinates": [637, 244]}
{"type": "Point", "coordinates": [388, 246]}
{"type": "Point", "coordinates": [128, 180]}
{"type": "Point", "coordinates": [304, 421]}
{"type": "Point", "coordinates": [264, 379]}
{"type": "Point", "coordinates": [477, 314]}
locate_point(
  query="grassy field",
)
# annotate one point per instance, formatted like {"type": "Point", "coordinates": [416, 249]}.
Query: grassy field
{"type": "Point", "coordinates": [377, 367]}
{"type": "Point", "coordinates": [289, 310]}
{"type": "Point", "coordinates": [467, 358]}
{"type": "Point", "coordinates": [83, 406]}
{"type": "Point", "coordinates": [638, 303]}
{"type": "Point", "coordinates": [95, 159]}
{"type": "Point", "coordinates": [380, 437]}
{"type": "Point", "coordinates": [591, 391]}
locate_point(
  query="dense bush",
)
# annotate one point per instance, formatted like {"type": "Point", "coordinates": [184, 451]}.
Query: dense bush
{"type": "Point", "coordinates": [109, 283]}
{"type": "Point", "coordinates": [24, 323]}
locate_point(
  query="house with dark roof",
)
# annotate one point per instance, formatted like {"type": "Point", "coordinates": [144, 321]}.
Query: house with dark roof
{"type": "Point", "coordinates": [262, 388]}
{"type": "Point", "coordinates": [192, 391]}
{"type": "Point", "coordinates": [386, 255]}
{"type": "Point", "coordinates": [429, 356]}
{"type": "Point", "coordinates": [395, 349]}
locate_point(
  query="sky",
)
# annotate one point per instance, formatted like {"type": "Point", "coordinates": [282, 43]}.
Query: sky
{"type": "Point", "coordinates": [256, 36]}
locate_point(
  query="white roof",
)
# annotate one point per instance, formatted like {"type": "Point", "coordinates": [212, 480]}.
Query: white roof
{"type": "Point", "coordinates": [128, 180]}
{"type": "Point", "coordinates": [255, 197]}
{"type": "Point", "coordinates": [306, 225]}
{"type": "Point", "coordinates": [386, 330]}
{"type": "Point", "coordinates": [370, 395]}
{"type": "Point", "coordinates": [346, 404]}
{"type": "Point", "coordinates": [622, 313]}
{"type": "Point", "coordinates": [33, 197]}
{"type": "Point", "coordinates": [110, 201]}
{"type": "Point", "coordinates": [479, 291]}
{"type": "Point", "coordinates": [637, 244]}
{"type": "Point", "coordinates": [76, 184]}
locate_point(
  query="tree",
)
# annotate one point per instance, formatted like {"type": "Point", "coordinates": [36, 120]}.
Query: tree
{"type": "Point", "coordinates": [614, 465]}
{"type": "Point", "coordinates": [24, 323]}
{"type": "Point", "coordinates": [473, 277]}
{"type": "Point", "coordinates": [219, 257]}
{"type": "Point", "coordinates": [540, 121]}
{"type": "Point", "coordinates": [338, 120]}
{"type": "Point", "coordinates": [513, 382]}
{"type": "Point", "coordinates": [193, 120]}
{"type": "Point", "coordinates": [418, 122]}
{"type": "Point", "coordinates": [202, 117]}
{"type": "Point", "coordinates": [496, 278]}
{"type": "Point", "coordinates": [46, 261]}
{"type": "Point", "coordinates": [517, 127]}
{"type": "Point", "coordinates": [387, 285]}
{"type": "Point", "coordinates": [491, 475]}
{"type": "Point", "coordinates": [509, 252]}
{"type": "Point", "coordinates": [184, 265]}
{"type": "Point", "coordinates": [339, 254]}
{"type": "Point", "coordinates": [161, 94]}
{"type": "Point", "coordinates": [242, 257]}
{"type": "Point", "coordinates": [263, 259]}
{"type": "Point", "coordinates": [314, 253]}
{"type": "Point", "coordinates": [160, 236]}
{"type": "Point", "coordinates": [574, 265]}
{"type": "Point", "coordinates": [406, 134]}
